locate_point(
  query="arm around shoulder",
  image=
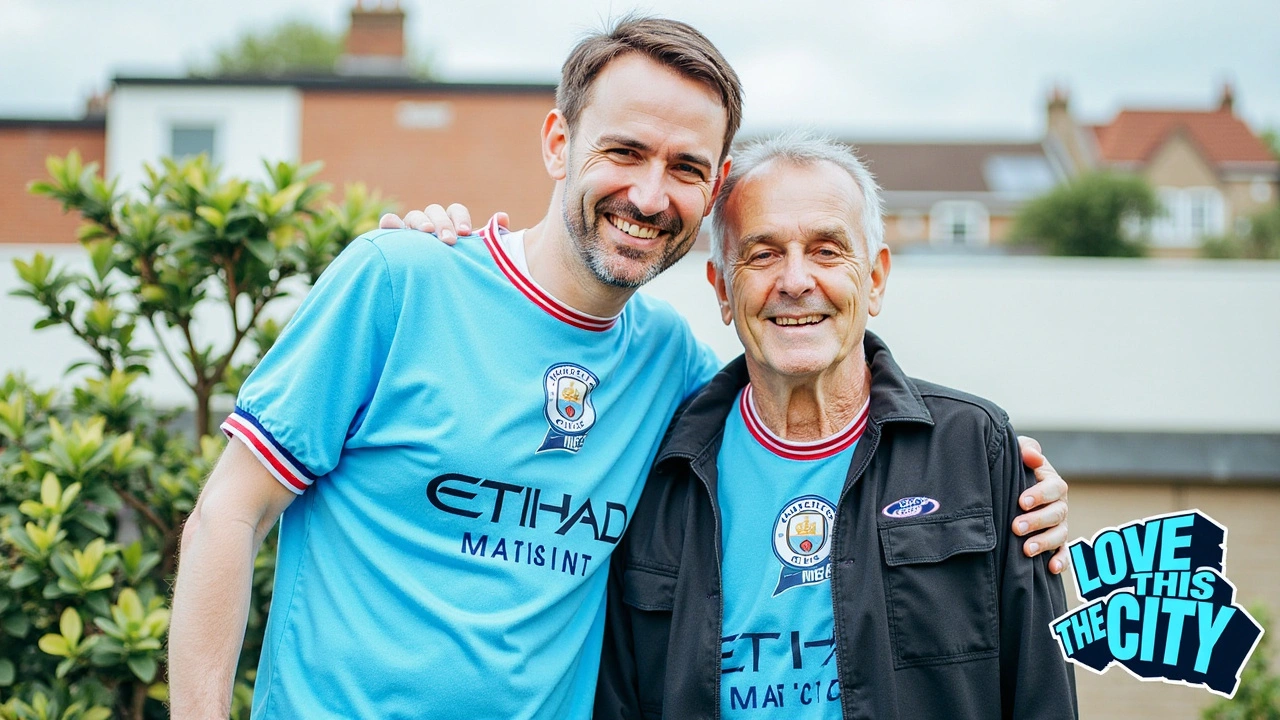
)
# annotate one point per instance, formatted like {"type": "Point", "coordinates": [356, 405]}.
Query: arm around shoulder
{"type": "Point", "coordinates": [237, 507]}
{"type": "Point", "coordinates": [1037, 680]}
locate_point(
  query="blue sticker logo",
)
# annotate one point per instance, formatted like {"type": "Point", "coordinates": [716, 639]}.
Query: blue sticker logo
{"type": "Point", "coordinates": [910, 507]}
{"type": "Point", "coordinates": [568, 407]}
{"type": "Point", "coordinates": [802, 542]}
{"type": "Point", "coordinates": [1156, 601]}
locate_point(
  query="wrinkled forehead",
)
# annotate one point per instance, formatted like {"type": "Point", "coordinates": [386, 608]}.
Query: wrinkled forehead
{"type": "Point", "coordinates": [784, 199]}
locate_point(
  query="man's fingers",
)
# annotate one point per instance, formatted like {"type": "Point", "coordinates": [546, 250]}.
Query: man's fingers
{"type": "Point", "coordinates": [390, 221]}
{"type": "Point", "coordinates": [443, 224]}
{"type": "Point", "coordinates": [418, 220]}
{"type": "Point", "coordinates": [1058, 562]}
{"type": "Point", "coordinates": [1050, 487]}
{"type": "Point", "coordinates": [1050, 539]}
{"type": "Point", "coordinates": [504, 220]}
{"type": "Point", "coordinates": [460, 218]}
{"type": "Point", "coordinates": [1055, 513]}
{"type": "Point", "coordinates": [1032, 455]}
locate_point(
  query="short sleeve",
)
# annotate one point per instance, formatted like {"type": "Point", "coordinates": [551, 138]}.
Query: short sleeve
{"type": "Point", "coordinates": [299, 406]}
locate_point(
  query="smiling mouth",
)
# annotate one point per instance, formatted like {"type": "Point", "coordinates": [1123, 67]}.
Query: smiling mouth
{"type": "Point", "coordinates": [640, 232]}
{"type": "Point", "coordinates": [793, 321]}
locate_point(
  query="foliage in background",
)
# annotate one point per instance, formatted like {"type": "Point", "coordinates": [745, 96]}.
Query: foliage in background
{"type": "Point", "coordinates": [1258, 696]}
{"type": "Point", "coordinates": [1260, 242]}
{"type": "Point", "coordinates": [1095, 215]}
{"type": "Point", "coordinates": [94, 483]}
{"type": "Point", "coordinates": [1272, 138]}
{"type": "Point", "coordinates": [294, 46]}
{"type": "Point", "coordinates": [190, 240]}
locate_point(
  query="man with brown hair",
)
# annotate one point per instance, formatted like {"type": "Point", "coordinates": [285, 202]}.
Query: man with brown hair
{"type": "Point", "coordinates": [430, 408]}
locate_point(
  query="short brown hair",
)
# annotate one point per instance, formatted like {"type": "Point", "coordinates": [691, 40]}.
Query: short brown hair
{"type": "Point", "coordinates": [671, 43]}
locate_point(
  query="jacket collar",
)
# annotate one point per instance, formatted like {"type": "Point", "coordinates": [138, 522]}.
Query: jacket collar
{"type": "Point", "coordinates": [894, 398]}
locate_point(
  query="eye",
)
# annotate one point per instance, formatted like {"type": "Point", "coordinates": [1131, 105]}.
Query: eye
{"type": "Point", "coordinates": [622, 153]}
{"type": "Point", "coordinates": [690, 171]}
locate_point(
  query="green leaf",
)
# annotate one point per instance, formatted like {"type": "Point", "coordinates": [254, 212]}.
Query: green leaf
{"type": "Point", "coordinates": [63, 668]}
{"type": "Point", "coordinates": [94, 521]}
{"type": "Point", "coordinates": [143, 667]}
{"type": "Point", "coordinates": [7, 672]}
{"type": "Point", "coordinates": [54, 644]}
{"type": "Point", "coordinates": [71, 625]}
{"type": "Point", "coordinates": [101, 713]}
{"type": "Point", "coordinates": [16, 625]}
{"type": "Point", "coordinates": [50, 491]}
{"type": "Point", "coordinates": [24, 576]}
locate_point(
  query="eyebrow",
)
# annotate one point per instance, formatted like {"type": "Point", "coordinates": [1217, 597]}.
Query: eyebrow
{"type": "Point", "coordinates": [634, 144]}
{"type": "Point", "coordinates": [822, 232]}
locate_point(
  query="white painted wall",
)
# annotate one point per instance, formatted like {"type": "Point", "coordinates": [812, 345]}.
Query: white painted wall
{"type": "Point", "coordinates": [1069, 344]}
{"type": "Point", "coordinates": [252, 124]}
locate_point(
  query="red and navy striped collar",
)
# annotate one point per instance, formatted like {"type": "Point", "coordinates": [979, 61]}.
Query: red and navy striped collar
{"type": "Point", "coordinates": [540, 297]}
{"type": "Point", "coordinates": [816, 450]}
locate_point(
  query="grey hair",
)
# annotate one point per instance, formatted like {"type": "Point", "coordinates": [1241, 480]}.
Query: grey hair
{"type": "Point", "coordinates": [800, 147]}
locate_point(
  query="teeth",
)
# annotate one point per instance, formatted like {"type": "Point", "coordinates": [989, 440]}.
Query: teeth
{"type": "Point", "coordinates": [806, 320]}
{"type": "Point", "coordinates": [634, 231]}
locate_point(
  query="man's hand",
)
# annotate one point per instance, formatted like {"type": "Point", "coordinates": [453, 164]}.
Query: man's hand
{"type": "Point", "coordinates": [446, 223]}
{"type": "Point", "coordinates": [1048, 499]}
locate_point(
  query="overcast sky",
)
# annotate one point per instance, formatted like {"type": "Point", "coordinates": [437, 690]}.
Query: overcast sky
{"type": "Point", "coordinates": [866, 68]}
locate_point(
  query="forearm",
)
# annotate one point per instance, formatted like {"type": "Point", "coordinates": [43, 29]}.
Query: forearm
{"type": "Point", "coordinates": [210, 608]}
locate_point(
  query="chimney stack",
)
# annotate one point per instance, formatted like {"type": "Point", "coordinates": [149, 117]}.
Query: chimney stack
{"type": "Point", "coordinates": [375, 40]}
{"type": "Point", "coordinates": [1228, 102]}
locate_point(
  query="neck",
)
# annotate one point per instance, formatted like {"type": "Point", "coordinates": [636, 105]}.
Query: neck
{"type": "Point", "coordinates": [556, 265]}
{"type": "Point", "coordinates": [806, 409]}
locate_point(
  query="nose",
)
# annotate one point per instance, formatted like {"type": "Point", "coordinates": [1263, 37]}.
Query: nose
{"type": "Point", "coordinates": [795, 280]}
{"type": "Point", "coordinates": [649, 191]}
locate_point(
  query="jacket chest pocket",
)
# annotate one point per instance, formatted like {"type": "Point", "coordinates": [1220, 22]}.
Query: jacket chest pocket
{"type": "Point", "coordinates": [940, 586]}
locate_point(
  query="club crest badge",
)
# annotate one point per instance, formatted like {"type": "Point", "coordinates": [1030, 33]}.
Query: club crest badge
{"type": "Point", "coordinates": [568, 407]}
{"type": "Point", "coordinates": [802, 542]}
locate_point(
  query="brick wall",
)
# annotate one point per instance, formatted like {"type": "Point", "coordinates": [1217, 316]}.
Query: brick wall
{"type": "Point", "coordinates": [479, 149]}
{"type": "Point", "coordinates": [23, 149]}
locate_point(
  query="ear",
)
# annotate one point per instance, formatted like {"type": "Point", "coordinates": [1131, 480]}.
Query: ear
{"type": "Point", "coordinates": [719, 183]}
{"type": "Point", "coordinates": [879, 280]}
{"type": "Point", "coordinates": [722, 293]}
{"type": "Point", "coordinates": [555, 144]}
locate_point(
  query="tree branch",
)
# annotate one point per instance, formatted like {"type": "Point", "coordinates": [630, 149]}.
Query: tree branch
{"type": "Point", "coordinates": [145, 510]}
{"type": "Point", "coordinates": [164, 350]}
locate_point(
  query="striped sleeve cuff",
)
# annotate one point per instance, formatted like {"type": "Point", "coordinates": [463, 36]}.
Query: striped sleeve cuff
{"type": "Point", "coordinates": [273, 456]}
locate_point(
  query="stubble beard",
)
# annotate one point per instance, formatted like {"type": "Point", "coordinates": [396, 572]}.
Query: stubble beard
{"type": "Point", "coordinates": [595, 254]}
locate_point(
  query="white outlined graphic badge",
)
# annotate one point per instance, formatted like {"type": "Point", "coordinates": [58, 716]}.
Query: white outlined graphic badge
{"type": "Point", "coordinates": [802, 542]}
{"type": "Point", "coordinates": [1156, 601]}
{"type": "Point", "coordinates": [568, 407]}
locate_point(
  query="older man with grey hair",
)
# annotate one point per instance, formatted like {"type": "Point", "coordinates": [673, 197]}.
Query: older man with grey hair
{"type": "Point", "coordinates": [819, 531]}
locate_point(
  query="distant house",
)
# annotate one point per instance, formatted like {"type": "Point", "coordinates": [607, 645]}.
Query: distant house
{"type": "Point", "coordinates": [1209, 168]}
{"type": "Point", "coordinates": [414, 140]}
{"type": "Point", "coordinates": [955, 195]}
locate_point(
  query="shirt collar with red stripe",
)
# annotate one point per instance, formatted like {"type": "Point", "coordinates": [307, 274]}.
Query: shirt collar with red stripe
{"type": "Point", "coordinates": [816, 450]}
{"type": "Point", "coordinates": [492, 233]}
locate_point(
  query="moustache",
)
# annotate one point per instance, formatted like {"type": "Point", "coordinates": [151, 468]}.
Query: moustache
{"type": "Point", "coordinates": [666, 221]}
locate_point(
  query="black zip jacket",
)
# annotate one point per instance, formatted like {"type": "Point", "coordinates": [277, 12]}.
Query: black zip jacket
{"type": "Point", "coordinates": [936, 616]}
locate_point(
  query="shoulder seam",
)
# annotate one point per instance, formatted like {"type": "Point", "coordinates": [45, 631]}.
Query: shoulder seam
{"type": "Point", "coordinates": [386, 268]}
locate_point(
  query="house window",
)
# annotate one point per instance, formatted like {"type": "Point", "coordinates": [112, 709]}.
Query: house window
{"type": "Point", "coordinates": [959, 222]}
{"type": "Point", "coordinates": [189, 140]}
{"type": "Point", "coordinates": [1188, 216]}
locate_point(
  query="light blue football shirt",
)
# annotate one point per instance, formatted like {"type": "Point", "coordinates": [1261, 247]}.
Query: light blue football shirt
{"type": "Point", "coordinates": [778, 504]}
{"type": "Point", "coordinates": [468, 451]}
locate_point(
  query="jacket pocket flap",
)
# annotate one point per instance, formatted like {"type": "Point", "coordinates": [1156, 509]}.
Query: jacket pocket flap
{"type": "Point", "coordinates": [936, 540]}
{"type": "Point", "coordinates": [648, 590]}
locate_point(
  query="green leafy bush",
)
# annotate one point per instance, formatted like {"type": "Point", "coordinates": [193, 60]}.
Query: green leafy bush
{"type": "Point", "coordinates": [1096, 215]}
{"type": "Point", "coordinates": [95, 484]}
